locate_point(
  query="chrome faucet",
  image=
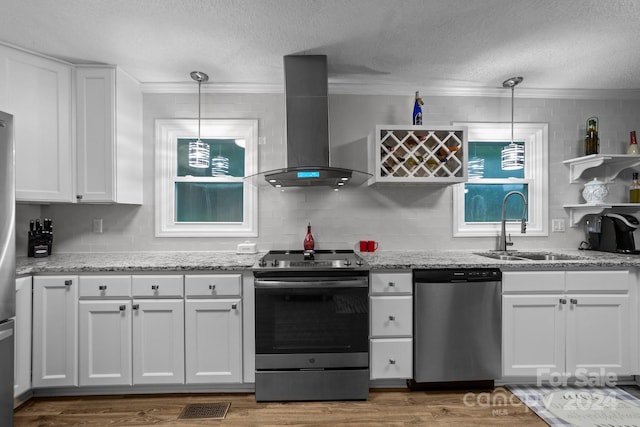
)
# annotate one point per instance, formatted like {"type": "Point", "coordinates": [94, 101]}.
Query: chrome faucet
{"type": "Point", "coordinates": [503, 222]}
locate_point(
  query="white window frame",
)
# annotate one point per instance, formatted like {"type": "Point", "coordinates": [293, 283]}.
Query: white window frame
{"type": "Point", "coordinates": [536, 175]}
{"type": "Point", "coordinates": [168, 131]}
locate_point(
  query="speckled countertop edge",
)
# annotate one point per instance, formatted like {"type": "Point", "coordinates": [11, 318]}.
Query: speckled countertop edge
{"type": "Point", "coordinates": [226, 260]}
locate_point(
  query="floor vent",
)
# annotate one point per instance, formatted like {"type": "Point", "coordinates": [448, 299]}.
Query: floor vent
{"type": "Point", "coordinates": [211, 411]}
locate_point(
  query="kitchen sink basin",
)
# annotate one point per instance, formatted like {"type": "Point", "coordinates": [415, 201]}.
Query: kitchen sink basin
{"type": "Point", "coordinates": [528, 256]}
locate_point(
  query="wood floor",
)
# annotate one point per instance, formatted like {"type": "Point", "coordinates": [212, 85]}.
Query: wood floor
{"type": "Point", "coordinates": [384, 408]}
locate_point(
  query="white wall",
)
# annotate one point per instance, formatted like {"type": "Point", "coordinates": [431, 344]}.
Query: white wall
{"type": "Point", "coordinates": [411, 217]}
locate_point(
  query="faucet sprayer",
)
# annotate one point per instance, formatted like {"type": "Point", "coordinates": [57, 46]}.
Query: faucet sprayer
{"type": "Point", "coordinates": [503, 222]}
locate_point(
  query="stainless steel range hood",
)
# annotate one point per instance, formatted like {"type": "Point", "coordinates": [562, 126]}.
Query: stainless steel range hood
{"type": "Point", "coordinates": [307, 121]}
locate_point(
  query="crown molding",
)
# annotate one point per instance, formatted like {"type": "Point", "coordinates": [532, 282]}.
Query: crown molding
{"type": "Point", "coordinates": [396, 89]}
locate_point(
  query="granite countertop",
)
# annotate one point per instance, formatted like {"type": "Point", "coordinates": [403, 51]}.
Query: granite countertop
{"type": "Point", "coordinates": [212, 261]}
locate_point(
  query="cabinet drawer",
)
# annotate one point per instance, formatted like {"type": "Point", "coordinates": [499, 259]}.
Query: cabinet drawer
{"type": "Point", "coordinates": [104, 286]}
{"type": "Point", "coordinates": [390, 283]}
{"type": "Point", "coordinates": [212, 285]}
{"type": "Point", "coordinates": [599, 281]}
{"type": "Point", "coordinates": [533, 281]}
{"type": "Point", "coordinates": [391, 316]}
{"type": "Point", "coordinates": [391, 358]}
{"type": "Point", "coordinates": [157, 286]}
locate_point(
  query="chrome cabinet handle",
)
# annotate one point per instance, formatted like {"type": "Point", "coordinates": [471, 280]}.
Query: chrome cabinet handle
{"type": "Point", "coordinates": [563, 300]}
{"type": "Point", "coordinates": [122, 307]}
{"type": "Point", "coordinates": [136, 306]}
{"type": "Point", "coordinates": [392, 318]}
{"type": "Point", "coordinates": [102, 287]}
{"type": "Point", "coordinates": [212, 287]}
{"type": "Point", "coordinates": [392, 361]}
{"type": "Point", "coordinates": [234, 306]}
{"type": "Point", "coordinates": [155, 287]}
{"type": "Point", "coordinates": [573, 301]}
{"type": "Point", "coordinates": [68, 282]}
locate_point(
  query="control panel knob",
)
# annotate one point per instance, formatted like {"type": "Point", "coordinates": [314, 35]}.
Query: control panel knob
{"type": "Point", "coordinates": [347, 262]}
{"type": "Point", "coordinates": [359, 262]}
{"type": "Point", "coordinates": [262, 262]}
{"type": "Point", "coordinates": [275, 263]}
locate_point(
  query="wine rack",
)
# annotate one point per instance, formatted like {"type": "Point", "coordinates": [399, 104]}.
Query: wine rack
{"type": "Point", "coordinates": [420, 154]}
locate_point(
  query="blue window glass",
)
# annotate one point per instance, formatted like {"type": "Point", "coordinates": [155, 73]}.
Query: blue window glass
{"type": "Point", "coordinates": [225, 148]}
{"type": "Point", "coordinates": [209, 202]}
{"type": "Point", "coordinates": [483, 201]}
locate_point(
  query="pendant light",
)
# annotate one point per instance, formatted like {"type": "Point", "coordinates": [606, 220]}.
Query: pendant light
{"type": "Point", "coordinates": [198, 150]}
{"type": "Point", "coordinates": [512, 154]}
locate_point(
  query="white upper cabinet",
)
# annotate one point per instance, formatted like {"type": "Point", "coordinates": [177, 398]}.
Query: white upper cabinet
{"type": "Point", "coordinates": [37, 91]}
{"type": "Point", "coordinates": [109, 136]}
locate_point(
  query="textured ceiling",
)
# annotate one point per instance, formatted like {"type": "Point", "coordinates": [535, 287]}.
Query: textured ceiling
{"type": "Point", "coordinates": [460, 44]}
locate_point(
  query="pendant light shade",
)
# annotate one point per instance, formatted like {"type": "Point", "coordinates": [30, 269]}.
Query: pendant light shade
{"type": "Point", "coordinates": [512, 154]}
{"type": "Point", "coordinates": [198, 150]}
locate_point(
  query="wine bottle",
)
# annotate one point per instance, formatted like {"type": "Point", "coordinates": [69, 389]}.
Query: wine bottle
{"type": "Point", "coordinates": [308, 243]}
{"type": "Point", "coordinates": [634, 189]}
{"type": "Point", "coordinates": [591, 141]}
{"type": "Point", "coordinates": [633, 144]}
{"type": "Point", "coordinates": [417, 110]}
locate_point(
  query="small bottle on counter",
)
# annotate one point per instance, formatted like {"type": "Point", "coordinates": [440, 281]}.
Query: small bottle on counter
{"type": "Point", "coordinates": [417, 110]}
{"type": "Point", "coordinates": [634, 189]}
{"type": "Point", "coordinates": [308, 243]}
{"type": "Point", "coordinates": [633, 144]}
{"type": "Point", "coordinates": [591, 141]}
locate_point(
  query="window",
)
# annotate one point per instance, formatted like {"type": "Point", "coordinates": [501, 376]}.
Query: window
{"type": "Point", "coordinates": [477, 204]}
{"type": "Point", "coordinates": [206, 202]}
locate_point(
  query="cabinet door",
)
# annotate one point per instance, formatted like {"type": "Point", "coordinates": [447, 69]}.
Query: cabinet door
{"type": "Point", "coordinates": [95, 138]}
{"type": "Point", "coordinates": [533, 334]}
{"type": "Point", "coordinates": [158, 341]}
{"type": "Point", "coordinates": [214, 340]}
{"type": "Point", "coordinates": [55, 331]}
{"type": "Point", "coordinates": [109, 136]}
{"type": "Point", "coordinates": [598, 335]}
{"type": "Point", "coordinates": [22, 350]}
{"type": "Point", "coordinates": [105, 342]}
{"type": "Point", "coordinates": [37, 91]}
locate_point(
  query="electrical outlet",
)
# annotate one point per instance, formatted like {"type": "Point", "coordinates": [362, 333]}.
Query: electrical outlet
{"type": "Point", "coordinates": [97, 225]}
{"type": "Point", "coordinates": [557, 225]}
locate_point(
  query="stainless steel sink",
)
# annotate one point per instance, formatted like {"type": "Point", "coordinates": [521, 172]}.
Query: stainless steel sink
{"type": "Point", "coordinates": [528, 256]}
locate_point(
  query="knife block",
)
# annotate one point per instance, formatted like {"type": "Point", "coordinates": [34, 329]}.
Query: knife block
{"type": "Point", "coordinates": [39, 245]}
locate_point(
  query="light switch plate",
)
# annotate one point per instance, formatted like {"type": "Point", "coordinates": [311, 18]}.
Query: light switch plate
{"type": "Point", "coordinates": [557, 225]}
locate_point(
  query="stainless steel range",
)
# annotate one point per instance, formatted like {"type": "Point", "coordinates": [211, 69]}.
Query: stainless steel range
{"type": "Point", "coordinates": [312, 326]}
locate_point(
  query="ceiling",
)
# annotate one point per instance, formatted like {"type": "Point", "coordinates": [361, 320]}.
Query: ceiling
{"type": "Point", "coordinates": [373, 46]}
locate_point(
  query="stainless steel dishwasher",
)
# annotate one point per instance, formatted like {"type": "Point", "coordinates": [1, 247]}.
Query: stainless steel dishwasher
{"type": "Point", "coordinates": [457, 328]}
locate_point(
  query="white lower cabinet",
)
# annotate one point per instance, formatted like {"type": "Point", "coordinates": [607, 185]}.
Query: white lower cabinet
{"type": "Point", "coordinates": [105, 342]}
{"type": "Point", "coordinates": [55, 331]}
{"type": "Point", "coordinates": [574, 323]}
{"type": "Point", "coordinates": [158, 341]}
{"type": "Point", "coordinates": [22, 334]}
{"type": "Point", "coordinates": [213, 325]}
{"type": "Point", "coordinates": [391, 325]}
{"type": "Point", "coordinates": [105, 330]}
{"type": "Point", "coordinates": [158, 329]}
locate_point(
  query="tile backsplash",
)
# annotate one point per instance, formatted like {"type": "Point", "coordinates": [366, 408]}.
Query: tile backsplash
{"type": "Point", "coordinates": [404, 217]}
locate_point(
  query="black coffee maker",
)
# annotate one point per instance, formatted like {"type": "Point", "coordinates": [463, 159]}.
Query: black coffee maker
{"type": "Point", "coordinates": [613, 232]}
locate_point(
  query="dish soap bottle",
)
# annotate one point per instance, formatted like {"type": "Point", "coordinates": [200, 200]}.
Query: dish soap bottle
{"type": "Point", "coordinates": [591, 142]}
{"type": "Point", "coordinates": [417, 110]}
{"type": "Point", "coordinates": [633, 145]}
{"type": "Point", "coordinates": [634, 189]}
{"type": "Point", "coordinates": [308, 240]}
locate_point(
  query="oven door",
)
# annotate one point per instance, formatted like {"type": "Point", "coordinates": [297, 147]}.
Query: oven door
{"type": "Point", "coordinates": [311, 322]}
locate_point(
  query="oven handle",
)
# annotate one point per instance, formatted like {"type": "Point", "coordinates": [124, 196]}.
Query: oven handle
{"type": "Point", "coordinates": [301, 283]}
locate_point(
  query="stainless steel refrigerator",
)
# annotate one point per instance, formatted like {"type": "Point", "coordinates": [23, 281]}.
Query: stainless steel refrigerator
{"type": "Point", "coordinates": [7, 267]}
